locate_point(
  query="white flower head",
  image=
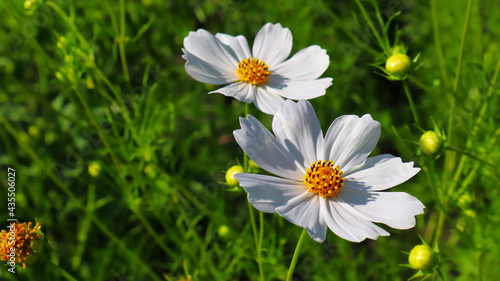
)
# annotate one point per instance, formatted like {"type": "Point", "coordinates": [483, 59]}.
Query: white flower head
{"type": "Point", "coordinates": [261, 76]}
{"type": "Point", "coordinates": [326, 181]}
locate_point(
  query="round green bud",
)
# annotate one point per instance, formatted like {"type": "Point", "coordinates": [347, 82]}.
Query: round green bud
{"type": "Point", "coordinates": [421, 257]}
{"type": "Point", "coordinates": [398, 64]}
{"type": "Point", "coordinates": [94, 169]}
{"type": "Point", "coordinates": [430, 143]}
{"type": "Point", "coordinates": [223, 230]}
{"type": "Point", "coordinates": [28, 4]}
{"type": "Point", "coordinates": [230, 179]}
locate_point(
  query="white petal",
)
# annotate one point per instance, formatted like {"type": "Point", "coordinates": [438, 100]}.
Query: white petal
{"type": "Point", "coordinates": [350, 139]}
{"type": "Point", "coordinates": [266, 101]}
{"type": "Point", "coordinates": [307, 64]}
{"type": "Point", "coordinates": [395, 209]}
{"type": "Point", "coordinates": [273, 44]}
{"type": "Point", "coordinates": [238, 44]}
{"type": "Point", "coordinates": [266, 193]}
{"type": "Point", "coordinates": [379, 173]}
{"type": "Point", "coordinates": [298, 90]}
{"type": "Point", "coordinates": [263, 148]}
{"type": "Point", "coordinates": [347, 226]}
{"type": "Point", "coordinates": [239, 90]}
{"type": "Point", "coordinates": [297, 127]}
{"type": "Point", "coordinates": [208, 60]}
{"type": "Point", "coordinates": [304, 211]}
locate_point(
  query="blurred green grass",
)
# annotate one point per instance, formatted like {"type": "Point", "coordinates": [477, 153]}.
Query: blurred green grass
{"type": "Point", "coordinates": [167, 143]}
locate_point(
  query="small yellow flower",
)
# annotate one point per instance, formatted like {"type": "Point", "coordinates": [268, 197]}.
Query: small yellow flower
{"type": "Point", "coordinates": [21, 239]}
{"type": "Point", "coordinates": [398, 64]}
{"type": "Point", "coordinates": [94, 169]}
{"type": "Point", "coordinates": [231, 181]}
{"type": "Point", "coordinates": [430, 143]}
{"type": "Point", "coordinates": [421, 257]}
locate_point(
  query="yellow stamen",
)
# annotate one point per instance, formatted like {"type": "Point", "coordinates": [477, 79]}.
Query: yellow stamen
{"type": "Point", "coordinates": [252, 71]}
{"type": "Point", "coordinates": [324, 179]}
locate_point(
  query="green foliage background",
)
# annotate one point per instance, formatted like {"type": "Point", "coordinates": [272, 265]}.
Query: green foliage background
{"type": "Point", "coordinates": [154, 211]}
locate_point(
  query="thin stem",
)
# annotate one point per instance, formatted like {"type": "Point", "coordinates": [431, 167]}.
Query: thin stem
{"type": "Point", "coordinates": [296, 255]}
{"type": "Point", "coordinates": [48, 170]}
{"type": "Point", "coordinates": [351, 35]}
{"type": "Point", "coordinates": [412, 104]}
{"type": "Point", "coordinates": [478, 122]}
{"type": "Point", "coordinates": [437, 40]}
{"type": "Point", "coordinates": [62, 271]}
{"type": "Point", "coordinates": [453, 97]}
{"type": "Point", "coordinates": [370, 24]}
{"type": "Point", "coordinates": [259, 246]}
{"type": "Point", "coordinates": [462, 46]}
{"type": "Point", "coordinates": [121, 42]}
{"type": "Point", "coordinates": [96, 125]}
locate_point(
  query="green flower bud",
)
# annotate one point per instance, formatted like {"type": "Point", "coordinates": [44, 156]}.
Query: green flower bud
{"type": "Point", "coordinates": [94, 169]}
{"type": "Point", "coordinates": [398, 64]}
{"type": "Point", "coordinates": [28, 4]}
{"type": "Point", "coordinates": [430, 143]}
{"type": "Point", "coordinates": [421, 257]}
{"type": "Point", "coordinates": [223, 230]}
{"type": "Point", "coordinates": [231, 181]}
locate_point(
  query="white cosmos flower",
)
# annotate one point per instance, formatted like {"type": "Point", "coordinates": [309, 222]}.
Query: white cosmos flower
{"type": "Point", "coordinates": [312, 192]}
{"type": "Point", "coordinates": [261, 76]}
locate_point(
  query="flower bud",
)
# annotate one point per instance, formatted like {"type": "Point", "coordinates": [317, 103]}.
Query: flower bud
{"type": "Point", "coordinates": [421, 257]}
{"type": "Point", "coordinates": [230, 179]}
{"type": "Point", "coordinates": [430, 143]}
{"type": "Point", "coordinates": [223, 230]}
{"type": "Point", "coordinates": [94, 169]}
{"type": "Point", "coordinates": [398, 64]}
{"type": "Point", "coordinates": [253, 164]}
{"type": "Point", "coordinates": [28, 4]}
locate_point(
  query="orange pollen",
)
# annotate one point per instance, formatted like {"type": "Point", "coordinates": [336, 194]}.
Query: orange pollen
{"type": "Point", "coordinates": [19, 237]}
{"type": "Point", "coordinates": [324, 178]}
{"type": "Point", "coordinates": [252, 71]}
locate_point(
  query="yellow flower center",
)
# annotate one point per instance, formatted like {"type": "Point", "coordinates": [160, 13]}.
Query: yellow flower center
{"type": "Point", "coordinates": [252, 71]}
{"type": "Point", "coordinates": [20, 237]}
{"type": "Point", "coordinates": [324, 179]}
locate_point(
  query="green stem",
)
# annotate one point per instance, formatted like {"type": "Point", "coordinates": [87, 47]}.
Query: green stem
{"type": "Point", "coordinates": [62, 271]}
{"type": "Point", "coordinates": [48, 170]}
{"type": "Point", "coordinates": [412, 104]}
{"type": "Point", "coordinates": [371, 25]}
{"type": "Point", "coordinates": [296, 255]}
{"type": "Point", "coordinates": [258, 237]}
{"type": "Point", "coordinates": [453, 98]}
{"type": "Point", "coordinates": [351, 35]}
{"type": "Point", "coordinates": [462, 46]}
{"type": "Point", "coordinates": [96, 125]}
{"type": "Point", "coordinates": [259, 246]}
{"type": "Point", "coordinates": [121, 43]}
{"type": "Point", "coordinates": [437, 40]}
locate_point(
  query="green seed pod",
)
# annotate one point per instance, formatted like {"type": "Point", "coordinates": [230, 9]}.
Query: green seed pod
{"type": "Point", "coordinates": [230, 179]}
